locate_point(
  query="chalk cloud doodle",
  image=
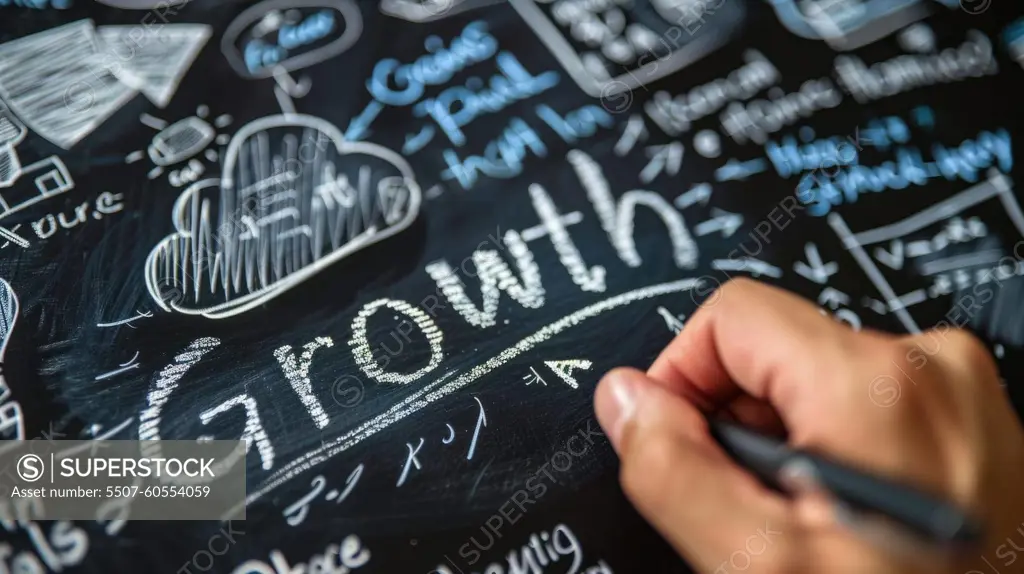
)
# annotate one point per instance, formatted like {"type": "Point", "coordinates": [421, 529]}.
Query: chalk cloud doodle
{"type": "Point", "coordinates": [288, 35]}
{"type": "Point", "coordinates": [276, 218]}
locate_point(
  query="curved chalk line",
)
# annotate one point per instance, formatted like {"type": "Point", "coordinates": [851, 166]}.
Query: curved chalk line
{"type": "Point", "coordinates": [439, 389]}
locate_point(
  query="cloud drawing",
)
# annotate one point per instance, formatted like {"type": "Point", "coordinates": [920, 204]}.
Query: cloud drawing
{"type": "Point", "coordinates": [294, 197]}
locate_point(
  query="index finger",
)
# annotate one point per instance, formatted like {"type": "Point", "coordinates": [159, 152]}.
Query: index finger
{"type": "Point", "coordinates": [757, 340]}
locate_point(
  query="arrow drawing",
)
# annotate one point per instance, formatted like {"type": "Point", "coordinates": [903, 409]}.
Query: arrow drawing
{"type": "Point", "coordinates": [634, 132]}
{"type": "Point", "coordinates": [756, 267]}
{"type": "Point", "coordinates": [892, 258]}
{"type": "Point", "coordinates": [724, 221]}
{"type": "Point", "coordinates": [833, 298]}
{"type": "Point", "coordinates": [667, 158]}
{"type": "Point", "coordinates": [699, 193]}
{"type": "Point", "coordinates": [815, 269]}
{"type": "Point", "coordinates": [738, 171]}
{"type": "Point", "coordinates": [564, 369]}
{"type": "Point", "coordinates": [12, 237]}
{"type": "Point", "coordinates": [875, 305]}
{"type": "Point", "coordinates": [673, 322]}
{"type": "Point", "coordinates": [358, 128]}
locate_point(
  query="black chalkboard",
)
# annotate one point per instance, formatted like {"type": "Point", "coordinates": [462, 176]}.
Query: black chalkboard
{"type": "Point", "coordinates": [402, 240]}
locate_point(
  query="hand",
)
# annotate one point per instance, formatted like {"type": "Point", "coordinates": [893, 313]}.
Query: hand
{"type": "Point", "coordinates": [926, 410]}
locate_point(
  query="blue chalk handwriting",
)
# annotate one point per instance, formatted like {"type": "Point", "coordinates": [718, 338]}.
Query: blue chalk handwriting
{"type": "Point", "coordinates": [259, 53]}
{"type": "Point", "coordinates": [409, 81]}
{"type": "Point", "coordinates": [963, 162]}
{"type": "Point", "coordinates": [503, 157]}
{"type": "Point", "coordinates": [456, 107]}
{"type": "Point", "coordinates": [37, 4]}
{"type": "Point", "coordinates": [315, 27]}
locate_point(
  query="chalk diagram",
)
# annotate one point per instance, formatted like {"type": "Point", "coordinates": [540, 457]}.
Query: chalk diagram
{"type": "Point", "coordinates": [66, 81]}
{"type": "Point", "coordinates": [10, 411]}
{"type": "Point", "coordinates": [63, 83]}
{"type": "Point", "coordinates": [294, 198]}
{"type": "Point", "coordinates": [430, 10]}
{"type": "Point", "coordinates": [607, 49]}
{"type": "Point", "coordinates": [182, 142]}
{"type": "Point", "coordinates": [51, 176]}
{"type": "Point", "coordinates": [893, 247]}
{"type": "Point", "coordinates": [849, 24]}
{"type": "Point", "coordinates": [158, 63]}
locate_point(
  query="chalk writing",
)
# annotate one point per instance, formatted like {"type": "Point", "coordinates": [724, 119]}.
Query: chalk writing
{"type": "Point", "coordinates": [617, 217]}
{"type": "Point", "coordinates": [757, 119]}
{"type": "Point", "coordinates": [564, 369]}
{"type": "Point", "coordinates": [512, 84]}
{"type": "Point", "coordinates": [673, 322]}
{"type": "Point", "coordinates": [296, 513]}
{"type": "Point", "coordinates": [268, 37]}
{"type": "Point", "coordinates": [105, 204]}
{"type": "Point", "coordinates": [814, 268]}
{"type": "Point", "coordinates": [495, 276]}
{"type": "Point", "coordinates": [974, 58]}
{"type": "Point", "coordinates": [253, 432]}
{"type": "Point", "coordinates": [543, 553]}
{"type": "Point", "coordinates": [297, 373]}
{"type": "Point", "coordinates": [534, 378]}
{"type": "Point", "coordinates": [963, 163]}
{"type": "Point", "coordinates": [675, 114]}
{"type": "Point", "coordinates": [481, 421]}
{"type": "Point", "coordinates": [349, 555]}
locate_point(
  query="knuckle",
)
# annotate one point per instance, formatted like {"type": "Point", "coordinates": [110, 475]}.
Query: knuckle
{"type": "Point", "coordinates": [969, 348]}
{"type": "Point", "coordinates": [899, 358]}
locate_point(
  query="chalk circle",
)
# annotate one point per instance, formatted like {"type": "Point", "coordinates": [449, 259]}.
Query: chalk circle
{"type": "Point", "coordinates": [707, 143]}
{"type": "Point", "coordinates": [918, 38]}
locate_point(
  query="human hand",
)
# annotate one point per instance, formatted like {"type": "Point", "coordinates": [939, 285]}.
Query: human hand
{"type": "Point", "coordinates": [925, 410]}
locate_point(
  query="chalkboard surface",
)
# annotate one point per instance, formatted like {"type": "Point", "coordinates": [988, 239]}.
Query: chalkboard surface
{"type": "Point", "coordinates": [394, 244]}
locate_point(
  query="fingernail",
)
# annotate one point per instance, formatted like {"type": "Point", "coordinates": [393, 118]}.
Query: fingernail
{"type": "Point", "coordinates": [618, 411]}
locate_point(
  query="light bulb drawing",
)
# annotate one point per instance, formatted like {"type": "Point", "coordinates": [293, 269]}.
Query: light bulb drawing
{"type": "Point", "coordinates": [181, 143]}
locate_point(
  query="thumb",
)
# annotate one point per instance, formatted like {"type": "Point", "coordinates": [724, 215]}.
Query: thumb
{"type": "Point", "coordinates": [681, 481]}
